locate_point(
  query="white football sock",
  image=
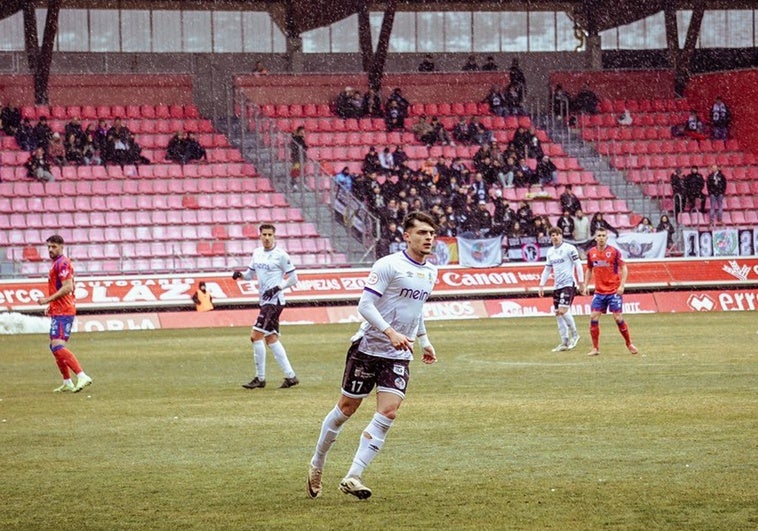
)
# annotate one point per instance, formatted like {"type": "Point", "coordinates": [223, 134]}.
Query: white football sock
{"type": "Point", "coordinates": [570, 323]}
{"type": "Point", "coordinates": [562, 329]}
{"type": "Point", "coordinates": [372, 440]}
{"type": "Point", "coordinates": [280, 355]}
{"type": "Point", "coordinates": [259, 356]}
{"type": "Point", "coordinates": [330, 428]}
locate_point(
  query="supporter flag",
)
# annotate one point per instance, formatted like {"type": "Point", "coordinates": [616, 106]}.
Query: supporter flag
{"type": "Point", "coordinates": [484, 252]}
{"type": "Point", "coordinates": [640, 245]}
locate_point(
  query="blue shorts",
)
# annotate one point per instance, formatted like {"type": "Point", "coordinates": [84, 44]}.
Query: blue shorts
{"type": "Point", "coordinates": [60, 326]}
{"type": "Point", "coordinates": [603, 303]}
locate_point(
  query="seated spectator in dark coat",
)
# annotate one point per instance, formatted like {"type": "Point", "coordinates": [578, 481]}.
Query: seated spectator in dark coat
{"type": "Point", "coordinates": [496, 101]}
{"type": "Point", "coordinates": [74, 153]}
{"type": "Point", "coordinates": [176, 150]}
{"type": "Point", "coordinates": [470, 64]}
{"type": "Point", "coordinates": [461, 133]}
{"type": "Point", "coordinates": [586, 101]}
{"type": "Point", "coordinates": [546, 172]}
{"type": "Point", "coordinates": [42, 133]}
{"type": "Point", "coordinates": [489, 64]}
{"type": "Point", "coordinates": [598, 221]}
{"type": "Point", "coordinates": [402, 103]}
{"type": "Point", "coordinates": [371, 161]}
{"type": "Point", "coordinates": [194, 150]}
{"type": "Point", "coordinates": [570, 201]}
{"type": "Point", "coordinates": [25, 136]}
{"type": "Point", "coordinates": [372, 104]}
{"type": "Point", "coordinates": [38, 166]}
{"type": "Point", "coordinates": [394, 118]}
{"type": "Point", "coordinates": [10, 119]}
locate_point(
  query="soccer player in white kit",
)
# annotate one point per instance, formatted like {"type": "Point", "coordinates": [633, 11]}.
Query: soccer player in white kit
{"type": "Point", "coordinates": [275, 272]}
{"type": "Point", "coordinates": [563, 260]}
{"type": "Point", "coordinates": [381, 351]}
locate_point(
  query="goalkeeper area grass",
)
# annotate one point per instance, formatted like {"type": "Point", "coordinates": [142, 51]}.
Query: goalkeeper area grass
{"type": "Point", "coordinates": [501, 433]}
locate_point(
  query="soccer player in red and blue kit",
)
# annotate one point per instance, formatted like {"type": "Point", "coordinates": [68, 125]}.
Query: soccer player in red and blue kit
{"type": "Point", "coordinates": [606, 264]}
{"type": "Point", "coordinates": [62, 310]}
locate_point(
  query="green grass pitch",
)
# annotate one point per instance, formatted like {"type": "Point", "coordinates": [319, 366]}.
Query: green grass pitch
{"type": "Point", "coordinates": [500, 434]}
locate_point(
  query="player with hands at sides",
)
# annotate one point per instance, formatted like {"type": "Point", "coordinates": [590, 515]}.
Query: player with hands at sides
{"type": "Point", "coordinates": [606, 264]}
{"type": "Point", "coordinates": [563, 260]}
{"type": "Point", "coordinates": [381, 351]}
{"type": "Point", "coordinates": [275, 272]}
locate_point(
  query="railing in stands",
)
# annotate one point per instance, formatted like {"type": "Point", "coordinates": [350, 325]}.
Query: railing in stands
{"type": "Point", "coordinates": [353, 230]}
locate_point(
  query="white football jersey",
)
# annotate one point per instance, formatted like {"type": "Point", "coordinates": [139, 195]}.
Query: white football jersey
{"type": "Point", "coordinates": [562, 261]}
{"type": "Point", "coordinates": [400, 286]}
{"type": "Point", "coordinates": [270, 267]}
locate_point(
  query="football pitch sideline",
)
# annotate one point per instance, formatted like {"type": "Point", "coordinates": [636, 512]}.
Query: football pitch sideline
{"type": "Point", "coordinates": [501, 433]}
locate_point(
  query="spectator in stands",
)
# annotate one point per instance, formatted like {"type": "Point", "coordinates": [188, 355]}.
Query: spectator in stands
{"type": "Point", "coordinates": [100, 136]}
{"type": "Point", "coordinates": [298, 146]}
{"type": "Point", "coordinates": [582, 230]}
{"type": "Point", "coordinates": [625, 118]}
{"type": "Point", "coordinates": [678, 192]}
{"type": "Point", "coordinates": [525, 176]}
{"type": "Point", "coordinates": [570, 201]}
{"type": "Point", "coordinates": [516, 231]}
{"type": "Point", "coordinates": [496, 101]}
{"type": "Point", "coordinates": [478, 133]}
{"type": "Point", "coordinates": [716, 185]}
{"type": "Point", "coordinates": [402, 103]}
{"type": "Point", "coordinates": [566, 223]}
{"type": "Point", "coordinates": [73, 148]}
{"type": "Point", "coordinates": [561, 102]}
{"type": "Point", "coordinates": [356, 104]}
{"type": "Point", "coordinates": [38, 166]}
{"type": "Point", "coordinates": [344, 103]}
{"type": "Point", "coordinates": [427, 65]}
{"type": "Point", "coordinates": [470, 64]}
{"type": "Point", "coordinates": [489, 64]}
{"type": "Point", "coordinates": [586, 101]}
{"type": "Point", "coordinates": [90, 151]}
{"type": "Point", "coordinates": [539, 228]}
{"type": "Point", "coordinates": [599, 221]}
{"type": "Point", "coordinates": [56, 152]}
{"type": "Point", "coordinates": [645, 226]}
{"type": "Point", "coordinates": [372, 104]}
{"type": "Point", "coordinates": [517, 78]}
{"type": "Point", "coordinates": [344, 180]}
{"type": "Point", "coordinates": [42, 133]}
{"type": "Point", "coordinates": [25, 136]}
{"type": "Point", "coordinates": [118, 143]}
{"type": "Point", "coordinates": [520, 141]}
{"type": "Point", "coordinates": [503, 217]}
{"type": "Point", "coordinates": [387, 161]}
{"type": "Point", "coordinates": [400, 157]}
{"type": "Point", "coordinates": [507, 173]}
{"type": "Point", "coordinates": [461, 132]}
{"type": "Point", "coordinates": [720, 119]}
{"type": "Point", "coordinates": [524, 214]}
{"type": "Point", "coordinates": [176, 150]}
{"type": "Point", "coordinates": [547, 172]}
{"type": "Point", "coordinates": [260, 68]}
{"type": "Point", "coordinates": [440, 133]}
{"type": "Point", "coordinates": [481, 220]}
{"type": "Point", "coordinates": [692, 127]}
{"type": "Point", "coordinates": [665, 225]}
{"type": "Point", "coordinates": [514, 100]}
{"type": "Point", "coordinates": [693, 190]}
{"type": "Point", "coordinates": [394, 117]}
{"type": "Point", "coordinates": [371, 161]}
{"type": "Point", "coordinates": [423, 131]}
{"type": "Point", "coordinates": [74, 127]}
{"type": "Point", "coordinates": [10, 119]}
{"type": "Point", "coordinates": [534, 147]}
{"type": "Point", "coordinates": [195, 151]}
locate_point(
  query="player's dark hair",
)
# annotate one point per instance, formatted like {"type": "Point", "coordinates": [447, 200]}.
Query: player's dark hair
{"type": "Point", "coordinates": [55, 238]}
{"type": "Point", "coordinates": [267, 226]}
{"type": "Point", "coordinates": [416, 215]}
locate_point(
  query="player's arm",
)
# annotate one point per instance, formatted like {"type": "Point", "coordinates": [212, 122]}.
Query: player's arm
{"type": "Point", "coordinates": [429, 355]}
{"type": "Point", "coordinates": [67, 286]}
{"type": "Point", "coordinates": [368, 310]}
{"type": "Point", "coordinates": [288, 280]}
{"type": "Point", "coordinates": [624, 273]}
{"type": "Point", "coordinates": [579, 271]}
{"type": "Point", "coordinates": [543, 279]}
{"type": "Point", "coordinates": [587, 281]}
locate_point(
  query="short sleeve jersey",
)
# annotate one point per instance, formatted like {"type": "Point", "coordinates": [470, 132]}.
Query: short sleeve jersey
{"type": "Point", "coordinates": [402, 285]}
{"type": "Point", "coordinates": [606, 266]}
{"type": "Point", "coordinates": [561, 260]}
{"type": "Point", "coordinates": [61, 271]}
{"type": "Point", "coordinates": [270, 268]}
